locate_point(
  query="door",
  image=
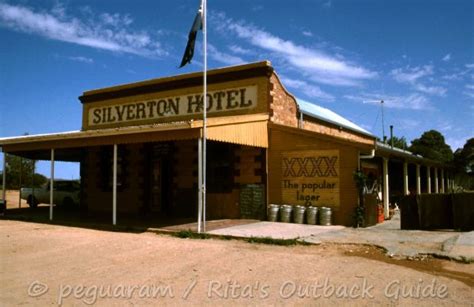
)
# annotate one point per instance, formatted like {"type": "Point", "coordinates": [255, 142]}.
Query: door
{"type": "Point", "coordinates": [156, 185]}
{"type": "Point", "coordinates": [160, 178]}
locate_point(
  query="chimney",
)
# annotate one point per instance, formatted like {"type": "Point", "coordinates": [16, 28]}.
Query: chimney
{"type": "Point", "coordinates": [391, 136]}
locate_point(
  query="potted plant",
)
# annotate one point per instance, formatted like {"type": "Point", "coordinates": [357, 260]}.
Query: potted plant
{"type": "Point", "coordinates": [359, 214]}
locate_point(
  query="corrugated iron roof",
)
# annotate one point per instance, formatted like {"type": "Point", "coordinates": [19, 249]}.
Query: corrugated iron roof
{"type": "Point", "coordinates": [311, 109]}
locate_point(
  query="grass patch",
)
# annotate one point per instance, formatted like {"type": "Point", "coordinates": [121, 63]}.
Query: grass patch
{"type": "Point", "coordinates": [188, 234]}
{"type": "Point", "coordinates": [272, 241]}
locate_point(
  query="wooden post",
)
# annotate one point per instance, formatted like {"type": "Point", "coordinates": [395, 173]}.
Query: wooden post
{"type": "Point", "coordinates": [114, 187]}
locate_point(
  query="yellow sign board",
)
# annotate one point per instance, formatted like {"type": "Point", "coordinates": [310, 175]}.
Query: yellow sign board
{"type": "Point", "coordinates": [219, 101]}
{"type": "Point", "coordinates": [310, 178]}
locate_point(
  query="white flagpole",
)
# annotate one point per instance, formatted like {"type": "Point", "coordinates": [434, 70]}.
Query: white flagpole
{"type": "Point", "coordinates": [199, 184]}
{"type": "Point", "coordinates": [204, 31]}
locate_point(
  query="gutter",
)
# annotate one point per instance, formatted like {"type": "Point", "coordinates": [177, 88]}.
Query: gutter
{"type": "Point", "coordinates": [370, 156]}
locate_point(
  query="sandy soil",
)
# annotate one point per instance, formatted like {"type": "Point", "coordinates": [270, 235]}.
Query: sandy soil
{"type": "Point", "coordinates": [46, 264]}
{"type": "Point", "coordinates": [13, 198]}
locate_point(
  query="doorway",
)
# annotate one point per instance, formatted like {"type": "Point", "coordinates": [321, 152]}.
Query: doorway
{"type": "Point", "coordinates": [160, 178]}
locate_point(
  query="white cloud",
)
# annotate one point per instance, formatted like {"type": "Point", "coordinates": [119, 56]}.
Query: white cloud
{"type": "Point", "coordinates": [413, 76]}
{"type": "Point", "coordinates": [412, 101]}
{"type": "Point", "coordinates": [239, 50]}
{"type": "Point", "coordinates": [327, 4]}
{"type": "Point", "coordinates": [307, 33]}
{"type": "Point", "coordinates": [447, 57]}
{"type": "Point", "coordinates": [458, 73]}
{"type": "Point", "coordinates": [116, 19]}
{"type": "Point", "coordinates": [81, 59]}
{"type": "Point", "coordinates": [107, 32]}
{"type": "Point", "coordinates": [470, 90]}
{"type": "Point", "coordinates": [222, 57]}
{"type": "Point", "coordinates": [321, 67]}
{"type": "Point", "coordinates": [408, 123]}
{"type": "Point", "coordinates": [444, 126]}
{"type": "Point", "coordinates": [431, 90]}
{"type": "Point", "coordinates": [455, 76]}
{"type": "Point", "coordinates": [310, 90]}
{"type": "Point", "coordinates": [59, 10]}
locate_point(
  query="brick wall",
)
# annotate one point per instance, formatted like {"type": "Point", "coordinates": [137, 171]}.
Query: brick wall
{"type": "Point", "coordinates": [284, 140]}
{"type": "Point", "coordinates": [98, 197]}
{"type": "Point", "coordinates": [283, 107]}
{"type": "Point", "coordinates": [341, 133]}
{"type": "Point", "coordinates": [284, 111]}
{"type": "Point", "coordinates": [185, 175]}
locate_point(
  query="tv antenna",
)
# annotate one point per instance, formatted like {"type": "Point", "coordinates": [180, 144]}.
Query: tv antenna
{"type": "Point", "coordinates": [376, 119]}
{"type": "Point", "coordinates": [383, 123]}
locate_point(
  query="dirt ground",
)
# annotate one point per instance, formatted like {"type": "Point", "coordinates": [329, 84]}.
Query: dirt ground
{"type": "Point", "coordinates": [13, 197]}
{"type": "Point", "coordinates": [45, 264]}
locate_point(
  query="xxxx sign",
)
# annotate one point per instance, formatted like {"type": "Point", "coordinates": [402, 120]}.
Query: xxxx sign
{"type": "Point", "coordinates": [311, 177]}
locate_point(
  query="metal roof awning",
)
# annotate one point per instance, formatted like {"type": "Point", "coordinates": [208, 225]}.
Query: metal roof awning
{"type": "Point", "coordinates": [250, 130]}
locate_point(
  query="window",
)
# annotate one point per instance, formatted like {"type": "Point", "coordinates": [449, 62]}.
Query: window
{"type": "Point", "coordinates": [106, 166]}
{"type": "Point", "coordinates": [220, 167]}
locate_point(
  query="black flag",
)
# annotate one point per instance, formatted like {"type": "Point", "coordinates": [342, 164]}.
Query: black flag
{"type": "Point", "coordinates": [189, 52]}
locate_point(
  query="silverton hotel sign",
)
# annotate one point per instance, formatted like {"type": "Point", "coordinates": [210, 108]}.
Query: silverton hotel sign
{"type": "Point", "coordinates": [226, 100]}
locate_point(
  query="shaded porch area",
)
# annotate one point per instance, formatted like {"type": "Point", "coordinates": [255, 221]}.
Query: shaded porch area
{"type": "Point", "coordinates": [101, 221]}
{"type": "Point", "coordinates": [149, 175]}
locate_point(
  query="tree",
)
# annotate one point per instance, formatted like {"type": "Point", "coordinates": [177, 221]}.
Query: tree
{"type": "Point", "coordinates": [464, 164]}
{"type": "Point", "coordinates": [16, 165]}
{"type": "Point", "coordinates": [431, 145]}
{"type": "Point", "coordinates": [398, 142]}
{"type": "Point", "coordinates": [464, 157]}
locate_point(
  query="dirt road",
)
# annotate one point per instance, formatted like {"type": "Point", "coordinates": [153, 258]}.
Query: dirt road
{"type": "Point", "coordinates": [46, 264]}
{"type": "Point", "coordinates": [13, 199]}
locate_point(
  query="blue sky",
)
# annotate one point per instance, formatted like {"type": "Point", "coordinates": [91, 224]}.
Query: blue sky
{"type": "Point", "coordinates": [416, 55]}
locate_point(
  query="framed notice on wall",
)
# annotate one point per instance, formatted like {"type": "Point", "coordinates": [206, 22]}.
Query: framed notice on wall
{"type": "Point", "coordinates": [310, 177]}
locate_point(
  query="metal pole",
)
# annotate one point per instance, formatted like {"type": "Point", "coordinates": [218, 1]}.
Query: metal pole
{"type": "Point", "coordinates": [386, 190]}
{"type": "Point", "coordinates": [428, 180]}
{"type": "Point", "coordinates": [19, 189]}
{"type": "Point", "coordinates": [33, 180]}
{"type": "Point", "coordinates": [204, 31]}
{"type": "Point", "coordinates": [51, 187]}
{"type": "Point", "coordinates": [448, 182]}
{"type": "Point", "coordinates": [383, 124]}
{"type": "Point", "coordinates": [4, 182]}
{"type": "Point", "coordinates": [199, 184]}
{"type": "Point", "coordinates": [391, 136]}
{"type": "Point", "coordinates": [418, 180]}
{"type": "Point", "coordinates": [405, 178]}
{"type": "Point", "coordinates": [114, 187]}
{"type": "Point", "coordinates": [442, 181]}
